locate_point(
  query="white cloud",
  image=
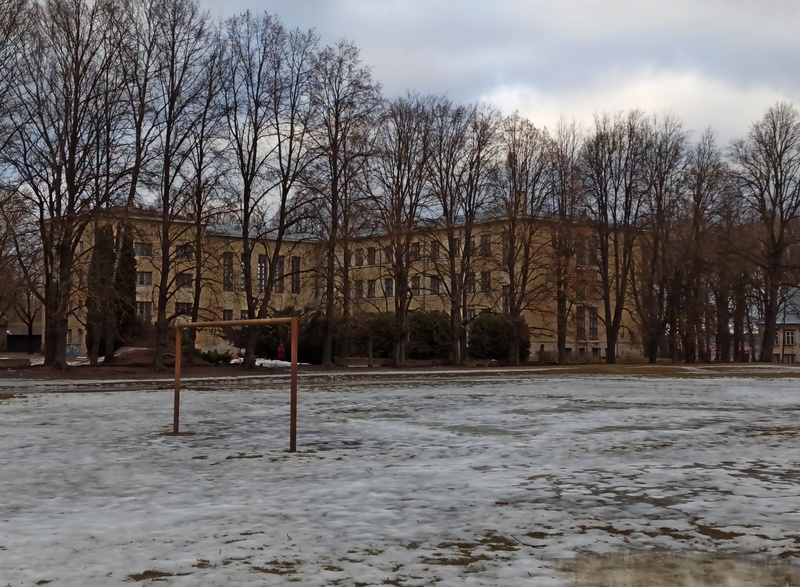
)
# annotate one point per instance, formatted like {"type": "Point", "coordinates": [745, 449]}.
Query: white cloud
{"type": "Point", "coordinates": [698, 101]}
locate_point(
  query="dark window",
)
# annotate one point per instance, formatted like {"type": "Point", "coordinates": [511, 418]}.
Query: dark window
{"type": "Point", "coordinates": [144, 310]}
{"type": "Point", "coordinates": [242, 262]}
{"type": "Point", "coordinates": [413, 252]}
{"type": "Point", "coordinates": [435, 285]}
{"type": "Point", "coordinates": [244, 315]}
{"type": "Point", "coordinates": [371, 256]}
{"type": "Point", "coordinates": [227, 271]}
{"type": "Point", "coordinates": [506, 248]}
{"type": "Point", "coordinates": [580, 322]}
{"type": "Point", "coordinates": [371, 288]}
{"type": "Point", "coordinates": [486, 245]}
{"type": "Point", "coordinates": [387, 255]}
{"type": "Point", "coordinates": [359, 257]}
{"type": "Point", "coordinates": [183, 308]}
{"type": "Point", "coordinates": [580, 252]}
{"type": "Point", "coordinates": [280, 270]}
{"type": "Point", "coordinates": [358, 289]}
{"type": "Point", "coordinates": [388, 287]}
{"type": "Point", "coordinates": [594, 249]}
{"type": "Point", "coordinates": [469, 284]}
{"type": "Point", "coordinates": [183, 280]}
{"type": "Point", "coordinates": [144, 278]}
{"type": "Point", "coordinates": [227, 314]}
{"type": "Point", "coordinates": [486, 282]}
{"type": "Point", "coordinates": [435, 250]}
{"type": "Point", "coordinates": [262, 272]}
{"type": "Point", "coordinates": [143, 249]}
{"type": "Point", "coordinates": [506, 295]}
{"type": "Point", "coordinates": [415, 285]}
{"type": "Point", "coordinates": [295, 275]}
{"type": "Point", "coordinates": [184, 252]}
{"type": "Point", "coordinates": [593, 324]}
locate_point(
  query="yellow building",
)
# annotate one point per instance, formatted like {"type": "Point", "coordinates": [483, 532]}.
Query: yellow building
{"type": "Point", "coordinates": [300, 281]}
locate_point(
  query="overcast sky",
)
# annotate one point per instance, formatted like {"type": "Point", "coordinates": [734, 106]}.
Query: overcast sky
{"type": "Point", "coordinates": [718, 63]}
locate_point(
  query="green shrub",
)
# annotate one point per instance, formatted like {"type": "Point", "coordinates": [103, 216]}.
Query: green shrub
{"type": "Point", "coordinates": [214, 356]}
{"type": "Point", "coordinates": [491, 334]}
{"type": "Point", "coordinates": [429, 335]}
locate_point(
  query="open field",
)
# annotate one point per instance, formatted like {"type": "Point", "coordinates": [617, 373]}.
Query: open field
{"type": "Point", "coordinates": [413, 480]}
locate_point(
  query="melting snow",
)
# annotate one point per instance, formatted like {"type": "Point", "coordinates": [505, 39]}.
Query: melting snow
{"type": "Point", "coordinates": [451, 482]}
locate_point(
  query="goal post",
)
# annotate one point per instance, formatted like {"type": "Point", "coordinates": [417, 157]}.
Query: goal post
{"type": "Point", "coordinates": [225, 323]}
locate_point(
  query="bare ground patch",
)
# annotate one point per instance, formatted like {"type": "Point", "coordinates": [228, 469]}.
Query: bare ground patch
{"type": "Point", "coordinates": [673, 570]}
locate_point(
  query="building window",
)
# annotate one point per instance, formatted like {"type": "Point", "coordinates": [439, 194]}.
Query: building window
{"type": "Point", "coordinates": [415, 285]}
{"type": "Point", "coordinates": [80, 336]}
{"type": "Point", "coordinates": [580, 322]}
{"type": "Point", "coordinates": [371, 288]}
{"type": "Point", "coordinates": [227, 314]}
{"type": "Point", "coordinates": [506, 295]}
{"type": "Point", "coordinates": [580, 252]}
{"type": "Point", "coordinates": [789, 337]}
{"type": "Point", "coordinates": [435, 250]}
{"type": "Point", "coordinates": [227, 271]}
{"type": "Point", "coordinates": [183, 308]}
{"type": "Point", "coordinates": [142, 250]}
{"type": "Point", "coordinates": [184, 252]}
{"type": "Point", "coordinates": [244, 315]}
{"type": "Point", "coordinates": [387, 255]}
{"type": "Point", "coordinates": [295, 275]}
{"type": "Point", "coordinates": [359, 258]}
{"type": "Point", "coordinates": [593, 324]}
{"type": "Point", "coordinates": [777, 339]}
{"type": "Point", "coordinates": [262, 272]}
{"type": "Point", "coordinates": [388, 287]}
{"type": "Point", "coordinates": [358, 289]}
{"type": "Point", "coordinates": [69, 335]}
{"type": "Point", "coordinates": [435, 281]}
{"type": "Point", "coordinates": [413, 251]}
{"type": "Point", "coordinates": [183, 280]}
{"type": "Point", "coordinates": [242, 263]}
{"type": "Point", "coordinates": [371, 256]}
{"type": "Point", "coordinates": [486, 282]}
{"type": "Point", "coordinates": [144, 278]}
{"type": "Point", "coordinates": [469, 314]}
{"type": "Point", "coordinates": [486, 245]}
{"type": "Point", "coordinates": [144, 310]}
{"type": "Point", "coordinates": [505, 248]}
{"type": "Point", "coordinates": [469, 283]}
{"type": "Point", "coordinates": [280, 271]}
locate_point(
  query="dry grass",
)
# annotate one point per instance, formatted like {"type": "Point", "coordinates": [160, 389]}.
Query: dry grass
{"type": "Point", "coordinates": [673, 570]}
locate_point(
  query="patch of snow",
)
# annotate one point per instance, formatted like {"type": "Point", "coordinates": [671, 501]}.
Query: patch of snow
{"type": "Point", "coordinates": [416, 481]}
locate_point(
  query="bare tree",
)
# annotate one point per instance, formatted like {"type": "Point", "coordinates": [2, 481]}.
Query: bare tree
{"type": "Point", "coordinates": [14, 27]}
{"type": "Point", "coordinates": [565, 213]}
{"type": "Point", "coordinates": [612, 164]}
{"type": "Point", "coordinates": [348, 103]}
{"type": "Point", "coordinates": [54, 152]}
{"type": "Point", "coordinates": [521, 201]}
{"type": "Point", "coordinates": [663, 176]}
{"type": "Point", "coordinates": [270, 114]}
{"type": "Point", "coordinates": [462, 165]}
{"type": "Point", "coordinates": [766, 167]}
{"type": "Point", "coordinates": [398, 185]}
{"type": "Point", "coordinates": [182, 48]}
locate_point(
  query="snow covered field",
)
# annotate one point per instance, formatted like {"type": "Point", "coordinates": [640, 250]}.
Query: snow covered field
{"type": "Point", "coordinates": [498, 481]}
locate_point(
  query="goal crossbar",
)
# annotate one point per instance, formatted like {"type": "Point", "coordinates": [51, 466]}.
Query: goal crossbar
{"type": "Point", "coordinates": [225, 323]}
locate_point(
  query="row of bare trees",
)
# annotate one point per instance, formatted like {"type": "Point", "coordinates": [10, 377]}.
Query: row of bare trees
{"type": "Point", "coordinates": [107, 105]}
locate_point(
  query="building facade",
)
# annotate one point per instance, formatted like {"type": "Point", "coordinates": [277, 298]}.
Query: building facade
{"type": "Point", "coordinates": [434, 265]}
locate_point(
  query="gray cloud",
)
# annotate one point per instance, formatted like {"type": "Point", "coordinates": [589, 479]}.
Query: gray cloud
{"type": "Point", "coordinates": [712, 62]}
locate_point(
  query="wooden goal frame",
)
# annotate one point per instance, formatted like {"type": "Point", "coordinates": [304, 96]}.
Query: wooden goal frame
{"type": "Point", "coordinates": [224, 323]}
